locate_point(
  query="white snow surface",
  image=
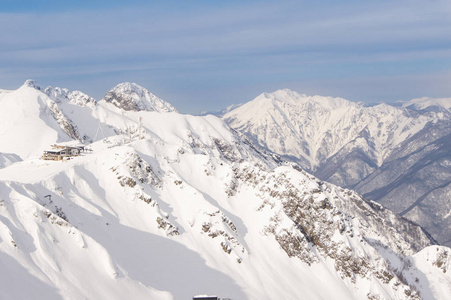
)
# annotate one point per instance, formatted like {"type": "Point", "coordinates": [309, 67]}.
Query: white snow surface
{"type": "Point", "coordinates": [182, 206]}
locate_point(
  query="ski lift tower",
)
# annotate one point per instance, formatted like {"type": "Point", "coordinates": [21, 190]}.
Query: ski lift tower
{"type": "Point", "coordinates": [140, 128]}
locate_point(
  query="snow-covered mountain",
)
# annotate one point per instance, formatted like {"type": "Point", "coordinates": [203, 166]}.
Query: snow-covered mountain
{"type": "Point", "coordinates": [44, 116]}
{"type": "Point", "coordinates": [429, 104]}
{"type": "Point", "coordinates": [176, 205]}
{"type": "Point", "coordinates": [314, 128]}
{"type": "Point", "coordinates": [349, 144]}
{"type": "Point", "coordinates": [130, 96]}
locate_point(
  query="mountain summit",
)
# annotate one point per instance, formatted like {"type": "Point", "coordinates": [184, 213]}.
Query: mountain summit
{"type": "Point", "coordinates": [31, 83]}
{"type": "Point", "coordinates": [133, 97]}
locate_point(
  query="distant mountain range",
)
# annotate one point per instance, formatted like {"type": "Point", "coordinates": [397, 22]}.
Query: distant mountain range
{"type": "Point", "coordinates": [399, 156]}
{"type": "Point", "coordinates": [161, 205]}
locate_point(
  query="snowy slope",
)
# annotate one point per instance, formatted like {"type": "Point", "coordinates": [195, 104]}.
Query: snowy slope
{"type": "Point", "coordinates": [370, 149]}
{"type": "Point", "coordinates": [29, 114]}
{"type": "Point", "coordinates": [7, 159]}
{"type": "Point", "coordinates": [183, 206]}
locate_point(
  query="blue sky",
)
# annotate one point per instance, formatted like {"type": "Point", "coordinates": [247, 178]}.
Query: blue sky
{"type": "Point", "coordinates": [206, 55]}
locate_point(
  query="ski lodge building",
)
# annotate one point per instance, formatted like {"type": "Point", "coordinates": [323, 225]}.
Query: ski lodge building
{"type": "Point", "coordinates": [62, 152]}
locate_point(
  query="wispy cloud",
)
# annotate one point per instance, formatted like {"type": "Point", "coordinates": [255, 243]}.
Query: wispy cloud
{"type": "Point", "coordinates": [226, 46]}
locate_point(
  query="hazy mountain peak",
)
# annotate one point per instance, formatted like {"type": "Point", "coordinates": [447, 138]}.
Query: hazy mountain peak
{"type": "Point", "coordinates": [282, 94]}
{"type": "Point", "coordinates": [290, 97]}
{"type": "Point", "coordinates": [133, 97]}
{"type": "Point", "coordinates": [428, 103]}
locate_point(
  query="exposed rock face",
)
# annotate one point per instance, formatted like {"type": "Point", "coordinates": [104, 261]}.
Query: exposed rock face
{"type": "Point", "coordinates": [132, 97]}
{"type": "Point", "coordinates": [31, 83]}
{"type": "Point", "coordinates": [66, 124]}
{"type": "Point", "coordinates": [74, 97]}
